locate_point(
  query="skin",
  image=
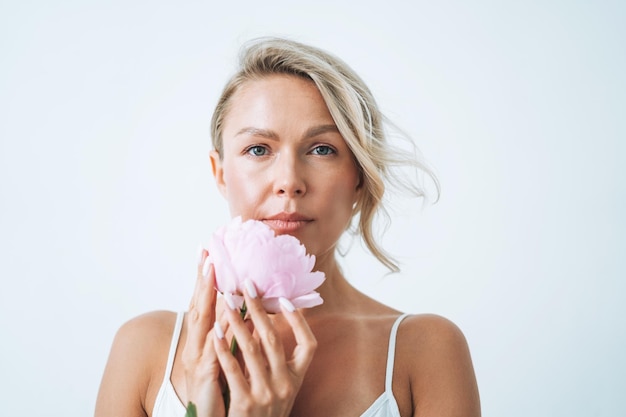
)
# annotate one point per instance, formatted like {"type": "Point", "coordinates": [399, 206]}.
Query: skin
{"type": "Point", "coordinates": [282, 156]}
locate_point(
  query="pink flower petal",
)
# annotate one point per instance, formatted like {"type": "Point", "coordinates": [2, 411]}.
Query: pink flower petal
{"type": "Point", "coordinates": [308, 300]}
{"type": "Point", "coordinates": [271, 305]}
{"type": "Point", "coordinates": [278, 265]}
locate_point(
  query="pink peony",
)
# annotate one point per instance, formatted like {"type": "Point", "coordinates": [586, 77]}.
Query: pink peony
{"type": "Point", "coordinates": [277, 265]}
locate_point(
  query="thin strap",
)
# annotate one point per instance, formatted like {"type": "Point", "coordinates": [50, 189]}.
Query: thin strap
{"type": "Point", "coordinates": [392, 352]}
{"type": "Point", "coordinates": [173, 345]}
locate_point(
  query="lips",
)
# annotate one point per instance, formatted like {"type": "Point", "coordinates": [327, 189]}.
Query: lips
{"type": "Point", "coordinates": [287, 222]}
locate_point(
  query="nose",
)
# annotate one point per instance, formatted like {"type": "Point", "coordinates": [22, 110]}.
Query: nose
{"type": "Point", "coordinates": [289, 176]}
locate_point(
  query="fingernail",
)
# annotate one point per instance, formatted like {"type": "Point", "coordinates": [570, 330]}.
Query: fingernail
{"type": "Point", "coordinates": [250, 289]}
{"type": "Point", "coordinates": [200, 252]}
{"type": "Point", "coordinates": [286, 304]}
{"type": "Point", "coordinates": [218, 330]}
{"type": "Point", "coordinates": [228, 297]}
{"type": "Point", "coordinates": [205, 267]}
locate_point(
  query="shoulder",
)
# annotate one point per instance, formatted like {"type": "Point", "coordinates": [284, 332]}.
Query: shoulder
{"type": "Point", "coordinates": [142, 337]}
{"type": "Point", "coordinates": [437, 357]}
{"type": "Point", "coordinates": [432, 331]}
{"type": "Point", "coordinates": [144, 341]}
{"type": "Point", "coordinates": [137, 357]}
{"type": "Point", "coordinates": [432, 344]}
{"type": "Point", "coordinates": [155, 324]}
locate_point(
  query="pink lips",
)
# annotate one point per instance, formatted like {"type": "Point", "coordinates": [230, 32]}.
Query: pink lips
{"type": "Point", "coordinates": [287, 222]}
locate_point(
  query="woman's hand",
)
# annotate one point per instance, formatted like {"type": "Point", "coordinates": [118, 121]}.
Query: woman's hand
{"type": "Point", "coordinates": [202, 369]}
{"type": "Point", "coordinates": [270, 382]}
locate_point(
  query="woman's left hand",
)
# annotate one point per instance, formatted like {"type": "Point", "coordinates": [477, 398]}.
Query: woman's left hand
{"type": "Point", "coordinates": [270, 382]}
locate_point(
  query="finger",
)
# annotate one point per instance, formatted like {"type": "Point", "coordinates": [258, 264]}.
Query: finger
{"type": "Point", "coordinates": [208, 347]}
{"type": "Point", "coordinates": [306, 344]}
{"type": "Point", "coordinates": [202, 312]}
{"type": "Point", "coordinates": [204, 385]}
{"type": "Point", "coordinates": [249, 346]}
{"type": "Point", "coordinates": [233, 373]}
{"type": "Point", "coordinates": [202, 255]}
{"type": "Point", "coordinates": [271, 344]}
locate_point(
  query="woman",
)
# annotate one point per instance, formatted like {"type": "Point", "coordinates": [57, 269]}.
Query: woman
{"type": "Point", "coordinates": [299, 145]}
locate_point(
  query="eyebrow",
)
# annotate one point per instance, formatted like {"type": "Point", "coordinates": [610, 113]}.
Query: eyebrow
{"type": "Point", "coordinates": [255, 131]}
{"type": "Point", "coordinates": [270, 134]}
{"type": "Point", "coordinates": [319, 130]}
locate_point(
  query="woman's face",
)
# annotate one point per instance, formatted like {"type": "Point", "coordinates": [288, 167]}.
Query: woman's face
{"type": "Point", "coordinates": [285, 163]}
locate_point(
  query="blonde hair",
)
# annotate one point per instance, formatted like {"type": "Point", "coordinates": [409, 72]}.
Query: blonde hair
{"type": "Point", "coordinates": [354, 111]}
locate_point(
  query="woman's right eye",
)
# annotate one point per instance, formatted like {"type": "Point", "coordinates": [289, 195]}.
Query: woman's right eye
{"type": "Point", "coordinates": [257, 150]}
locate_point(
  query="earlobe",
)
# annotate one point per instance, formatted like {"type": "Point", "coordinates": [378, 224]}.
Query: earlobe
{"type": "Point", "coordinates": [218, 171]}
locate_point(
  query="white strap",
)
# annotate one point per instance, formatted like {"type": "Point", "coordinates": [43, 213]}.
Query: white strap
{"type": "Point", "coordinates": [173, 345]}
{"type": "Point", "coordinates": [391, 353]}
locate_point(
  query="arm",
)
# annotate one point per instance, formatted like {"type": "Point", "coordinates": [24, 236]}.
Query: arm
{"type": "Point", "coordinates": [442, 378]}
{"type": "Point", "coordinates": [128, 372]}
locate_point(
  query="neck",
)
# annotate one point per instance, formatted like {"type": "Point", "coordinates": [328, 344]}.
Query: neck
{"type": "Point", "coordinates": [336, 291]}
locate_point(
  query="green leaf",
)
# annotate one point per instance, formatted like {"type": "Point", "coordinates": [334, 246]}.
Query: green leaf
{"type": "Point", "coordinates": [191, 410]}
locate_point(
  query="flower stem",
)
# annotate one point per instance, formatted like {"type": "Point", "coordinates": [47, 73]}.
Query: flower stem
{"type": "Point", "coordinates": [233, 342]}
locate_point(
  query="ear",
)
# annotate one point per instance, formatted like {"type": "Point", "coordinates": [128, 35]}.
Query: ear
{"type": "Point", "coordinates": [358, 193]}
{"type": "Point", "coordinates": [357, 196]}
{"type": "Point", "coordinates": [218, 171]}
{"type": "Point", "coordinates": [359, 186]}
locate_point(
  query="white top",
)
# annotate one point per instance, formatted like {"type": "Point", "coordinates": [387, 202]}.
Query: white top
{"type": "Point", "coordinates": [168, 404]}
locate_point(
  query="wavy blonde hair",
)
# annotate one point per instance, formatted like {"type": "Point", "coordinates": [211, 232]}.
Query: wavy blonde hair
{"type": "Point", "coordinates": [355, 113]}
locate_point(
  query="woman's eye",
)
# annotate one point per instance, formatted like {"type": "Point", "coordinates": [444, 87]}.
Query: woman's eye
{"type": "Point", "coordinates": [323, 150]}
{"type": "Point", "coordinates": [257, 150]}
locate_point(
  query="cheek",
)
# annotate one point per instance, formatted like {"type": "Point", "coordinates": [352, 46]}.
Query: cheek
{"type": "Point", "coordinates": [344, 196]}
{"type": "Point", "coordinates": [243, 192]}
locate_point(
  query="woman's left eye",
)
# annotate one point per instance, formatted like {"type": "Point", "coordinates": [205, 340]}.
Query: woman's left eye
{"type": "Point", "coordinates": [323, 150]}
{"type": "Point", "coordinates": [257, 150]}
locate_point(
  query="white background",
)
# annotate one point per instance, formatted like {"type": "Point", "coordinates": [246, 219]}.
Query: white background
{"type": "Point", "coordinates": [519, 106]}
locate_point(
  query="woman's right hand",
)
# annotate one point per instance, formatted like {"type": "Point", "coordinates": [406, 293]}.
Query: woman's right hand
{"type": "Point", "coordinates": [202, 369]}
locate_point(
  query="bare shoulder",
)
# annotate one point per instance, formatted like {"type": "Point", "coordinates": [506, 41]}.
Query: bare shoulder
{"type": "Point", "coordinates": [136, 359]}
{"type": "Point", "coordinates": [156, 324]}
{"type": "Point", "coordinates": [435, 353]}
{"type": "Point", "coordinates": [144, 338]}
{"type": "Point", "coordinates": [430, 331]}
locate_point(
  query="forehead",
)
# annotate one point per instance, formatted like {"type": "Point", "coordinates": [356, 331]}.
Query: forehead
{"type": "Point", "coordinates": [277, 99]}
{"type": "Point", "coordinates": [277, 83]}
